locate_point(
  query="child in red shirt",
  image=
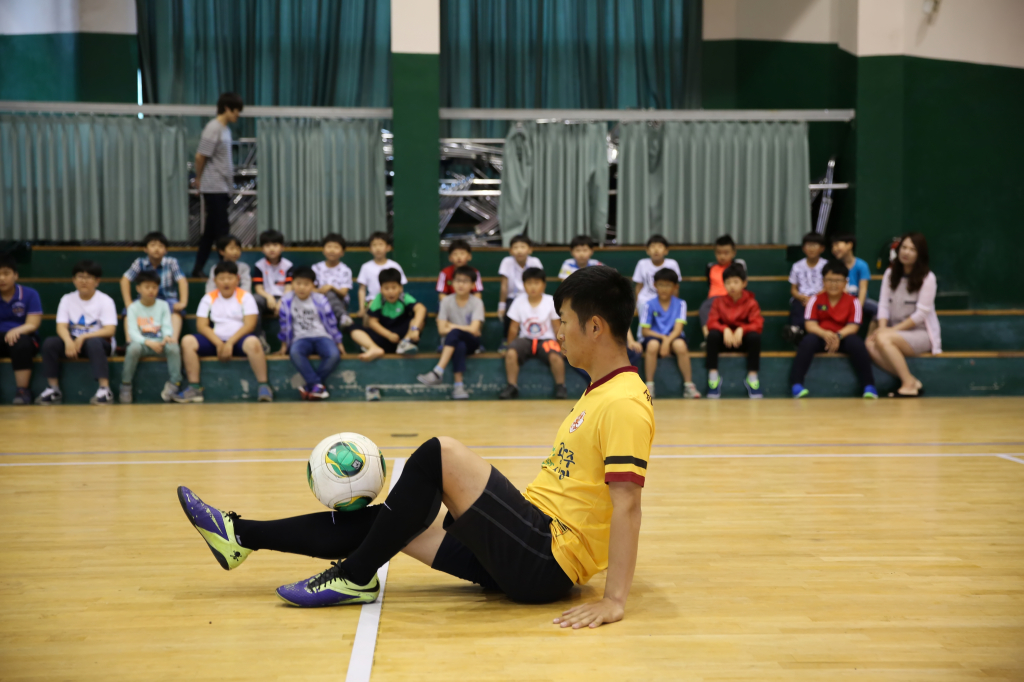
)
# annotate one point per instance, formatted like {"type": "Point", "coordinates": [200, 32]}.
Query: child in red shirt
{"type": "Point", "coordinates": [735, 322]}
{"type": "Point", "coordinates": [725, 255]}
{"type": "Point", "coordinates": [832, 319]}
{"type": "Point", "coordinates": [459, 254]}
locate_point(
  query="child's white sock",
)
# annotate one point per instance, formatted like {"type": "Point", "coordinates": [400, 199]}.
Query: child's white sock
{"type": "Point", "coordinates": [752, 376]}
{"type": "Point", "coordinates": [457, 384]}
{"type": "Point", "coordinates": [439, 370]}
{"type": "Point", "coordinates": [713, 375]}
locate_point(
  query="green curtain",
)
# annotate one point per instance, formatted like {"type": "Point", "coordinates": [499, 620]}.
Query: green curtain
{"type": "Point", "coordinates": [321, 176]}
{"type": "Point", "coordinates": [271, 52]}
{"type": "Point", "coordinates": [570, 54]}
{"type": "Point", "coordinates": [694, 181]}
{"type": "Point", "coordinates": [105, 178]}
{"type": "Point", "coordinates": [554, 182]}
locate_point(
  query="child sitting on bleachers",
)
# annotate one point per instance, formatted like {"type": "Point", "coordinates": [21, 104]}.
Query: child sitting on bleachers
{"type": "Point", "coordinates": [843, 247]}
{"type": "Point", "coordinates": [86, 323]}
{"type": "Point", "coordinates": [533, 333]}
{"type": "Point", "coordinates": [725, 255]}
{"type": "Point", "coordinates": [225, 322]}
{"type": "Point", "coordinates": [832, 319]}
{"type": "Point", "coordinates": [308, 326]}
{"type": "Point", "coordinates": [229, 248]}
{"type": "Point", "coordinates": [459, 255]}
{"type": "Point", "coordinates": [334, 278]}
{"type": "Point", "coordinates": [21, 313]}
{"type": "Point", "coordinates": [735, 323]}
{"type": "Point", "coordinates": [369, 273]}
{"type": "Point", "coordinates": [646, 268]}
{"type": "Point", "coordinates": [804, 284]}
{"type": "Point", "coordinates": [148, 331]}
{"type": "Point", "coordinates": [460, 322]}
{"type": "Point", "coordinates": [511, 271]}
{"type": "Point", "coordinates": [173, 284]}
{"type": "Point", "coordinates": [582, 249]}
{"type": "Point", "coordinates": [271, 276]}
{"type": "Point", "coordinates": [661, 331]}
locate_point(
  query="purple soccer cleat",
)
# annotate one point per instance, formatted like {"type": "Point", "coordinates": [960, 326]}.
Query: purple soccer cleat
{"type": "Point", "coordinates": [328, 589]}
{"type": "Point", "coordinates": [216, 527]}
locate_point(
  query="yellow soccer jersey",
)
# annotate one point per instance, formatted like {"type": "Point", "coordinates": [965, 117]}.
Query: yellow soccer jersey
{"type": "Point", "coordinates": [606, 438]}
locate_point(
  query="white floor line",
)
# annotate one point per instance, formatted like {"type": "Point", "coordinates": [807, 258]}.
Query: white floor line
{"type": "Point", "coordinates": [1012, 459]}
{"type": "Point", "coordinates": [360, 663]}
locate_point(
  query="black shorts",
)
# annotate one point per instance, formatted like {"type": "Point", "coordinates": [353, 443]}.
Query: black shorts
{"type": "Point", "coordinates": [534, 348]}
{"type": "Point", "coordinates": [386, 345]}
{"type": "Point", "coordinates": [503, 542]}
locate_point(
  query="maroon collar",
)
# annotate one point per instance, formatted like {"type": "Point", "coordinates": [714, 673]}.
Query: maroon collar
{"type": "Point", "coordinates": [606, 377]}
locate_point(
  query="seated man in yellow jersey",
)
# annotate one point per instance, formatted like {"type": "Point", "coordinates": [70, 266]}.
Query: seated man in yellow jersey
{"type": "Point", "coordinates": [580, 516]}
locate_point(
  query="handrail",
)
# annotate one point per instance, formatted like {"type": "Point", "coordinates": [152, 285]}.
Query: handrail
{"type": "Point", "coordinates": [190, 110]}
{"type": "Point", "coordinates": [630, 115]}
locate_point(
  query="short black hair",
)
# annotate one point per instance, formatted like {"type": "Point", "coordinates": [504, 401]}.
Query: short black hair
{"type": "Point", "coordinates": [460, 244]}
{"type": "Point", "coordinates": [846, 238]}
{"type": "Point", "coordinates": [657, 239]}
{"type": "Point", "coordinates": [581, 240]}
{"type": "Point", "coordinates": [89, 267]}
{"type": "Point", "coordinates": [303, 271]}
{"type": "Point", "coordinates": [599, 291]}
{"type": "Point", "coordinates": [835, 267]}
{"type": "Point", "coordinates": [336, 238]}
{"type": "Point", "coordinates": [521, 238]}
{"type": "Point", "coordinates": [147, 276]}
{"type": "Point", "coordinates": [229, 100]}
{"type": "Point", "coordinates": [666, 275]}
{"type": "Point", "coordinates": [155, 237]}
{"type": "Point", "coordinates": [389, 275]}
{"type": "Point", "coordinates": [8, 264]}
{"type": "Point", "coordinates": [735, 270]}
{"type": "Point", "coordinates": [225, 241]}
{"type": "Point", "coordinates": [271, 237]}
{"type": "Point", "coordinates": [534, 273]}
{"type": "Point", "coordinates": [725, 240]}
{"type": "Point", "coordinates": [383, 236]}
{"type": "Point", "coordinates": [465, 271]}
{"type": "Point", "coordinates": [227, 266]}
{"type": "Point", "coordinates": [812, 238]}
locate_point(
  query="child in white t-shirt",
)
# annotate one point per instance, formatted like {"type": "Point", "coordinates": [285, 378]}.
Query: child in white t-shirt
{"type": "Point", "coordinates": [532, 334]}
{"type": "Point", "coordinates": [582, 249]}
{"type": "Point", "coordinates": [805, 280]}
{"type": "Point", "coordinates": [86, 323]}
{"type": "Point", "coordinates": [334, 278]}
{"type": "Point", "coordinates": [225, 321]}
{"type": "Point", "coordinates": [511, 272]}
{"type": "Point", "coordinates": [369, 273]}
{"type": "Point", "coordinates": [643, 274]}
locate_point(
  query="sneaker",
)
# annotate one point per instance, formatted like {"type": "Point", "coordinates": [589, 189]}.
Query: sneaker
{"type": "Point", "coordinates": [561, 392]}
{"type": "Point", "coordinates": [329, 589]}
{"type": "Point", "coordinates": [753, 389]}
{"type": "Point", "coordinates": [510, 392]}
{"type": "Point", "coordinates": [170, 390]}
{"type": "Point", "coordinates": [460, 393]}
{"type": "Point", "coordinates": [216, 527]}
{"type": "Point", "coordinates": [799, 391]}
{"type": "Point", "coordinates": [317, 392]}
{"type": "Point", "coordinates": [690, 391]}
{"type": "Point", "coordinates": [264, 394]}
{"type": "Point", "coordinates": [191, 394]}
{"type": "Point", "coordinates": [372, 394]}
{"type": "Point", "coordinates": [23, 396]}
{"type": "Point", "coordinates": [789, 334]}
{"type": "Point", "coordinates": [715, 388]}
{"type": "Point", "coordinates": [103, 396]}
{"type": "Point", "coordinates": [430, 378]}
{"type": "Point", "coordinates": [263, 342]}
{"type": "Point", "coordinates": [50, 396]}
{"type": "Point", "coordinates": [125, 394]}
{"type": "Point", "coordinates": [650, 388]}
{"type": "Point", "coordinates": [870, 393]}
{"type": "Point", "coordinates": [704, 345]}
{"type": "Point", "coordinates": [407, 347]}
{"type": "Point", "coordinates": [346, 322]}
{"type": "Point", "coordinates": [503, 346]}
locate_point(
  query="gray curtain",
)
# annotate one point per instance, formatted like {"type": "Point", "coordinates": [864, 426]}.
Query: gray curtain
{"type": "Point", "coordinates": [554, 182]}
{"type": "Point", "coordinates": [694, 181]}
{"type": "Point", "coordinates": [105, 178]}
{"type": "Point", "coordinates": [320, 176]}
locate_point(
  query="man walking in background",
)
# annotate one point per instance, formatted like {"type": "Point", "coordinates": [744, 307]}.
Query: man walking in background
{"type": "Point", "coordinates": [215, 175]}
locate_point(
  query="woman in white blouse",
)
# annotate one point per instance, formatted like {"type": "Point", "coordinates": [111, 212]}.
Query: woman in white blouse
{"type": "Point", "coordinates": [907, 323]}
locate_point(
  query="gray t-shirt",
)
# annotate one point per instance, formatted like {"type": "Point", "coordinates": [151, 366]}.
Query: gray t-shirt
{"type": "Point", "coordinates": [306, 322]}
{"type": "Point", "coordinates": [215, 144]}
{"type": "Point", "coordinates": [451, 311]}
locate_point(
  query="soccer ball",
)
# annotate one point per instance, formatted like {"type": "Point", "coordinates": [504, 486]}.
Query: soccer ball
{"type": "Point", "coordinates": [346, 471]}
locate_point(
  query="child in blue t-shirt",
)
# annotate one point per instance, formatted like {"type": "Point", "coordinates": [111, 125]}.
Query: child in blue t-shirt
{"type": "Point", "coordinates": [857, 283]}
{"type": "Point", "coordinates": [661, 331]}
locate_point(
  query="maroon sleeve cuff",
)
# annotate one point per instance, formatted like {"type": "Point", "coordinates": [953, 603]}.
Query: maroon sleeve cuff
{"type": "Point", "coordinates": [624, 477]}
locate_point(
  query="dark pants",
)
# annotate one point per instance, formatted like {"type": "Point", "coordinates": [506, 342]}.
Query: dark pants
{"type": "Point", "coordinates": [507, 321]}
{"type": "Point", "coordinates": [217, 225]}
{"type": "Point", "coordinates": [852, 345]}
{"type": "Point", "coordinates": [751, 346]}
{"type": "Point", "coordinates": [21, 352]}
{"type": "Point", "coordinates": [796, 313]}
{"type": "Point", "coordinates": [464, 343]}
{"type": "Point", "coordinates": [97, 350]}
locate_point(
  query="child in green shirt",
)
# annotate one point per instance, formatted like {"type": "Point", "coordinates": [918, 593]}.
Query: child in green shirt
{"type": "Point", "coordinates": [149, 331]}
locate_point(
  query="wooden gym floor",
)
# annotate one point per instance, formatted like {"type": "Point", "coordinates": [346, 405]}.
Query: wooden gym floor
{"type": "Point", "coordinates": [823, 539]}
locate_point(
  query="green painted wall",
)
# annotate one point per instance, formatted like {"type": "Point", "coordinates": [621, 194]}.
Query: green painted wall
{"type": "Point", "coordinates": [67, 67]}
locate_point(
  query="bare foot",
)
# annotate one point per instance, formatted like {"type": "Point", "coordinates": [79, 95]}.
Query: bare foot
{"type": "Point", "coordinates": [371, 354]}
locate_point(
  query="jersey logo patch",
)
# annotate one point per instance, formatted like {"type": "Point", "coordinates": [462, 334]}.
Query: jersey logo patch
{"type": "Point", "coordinates": [578, 422]}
